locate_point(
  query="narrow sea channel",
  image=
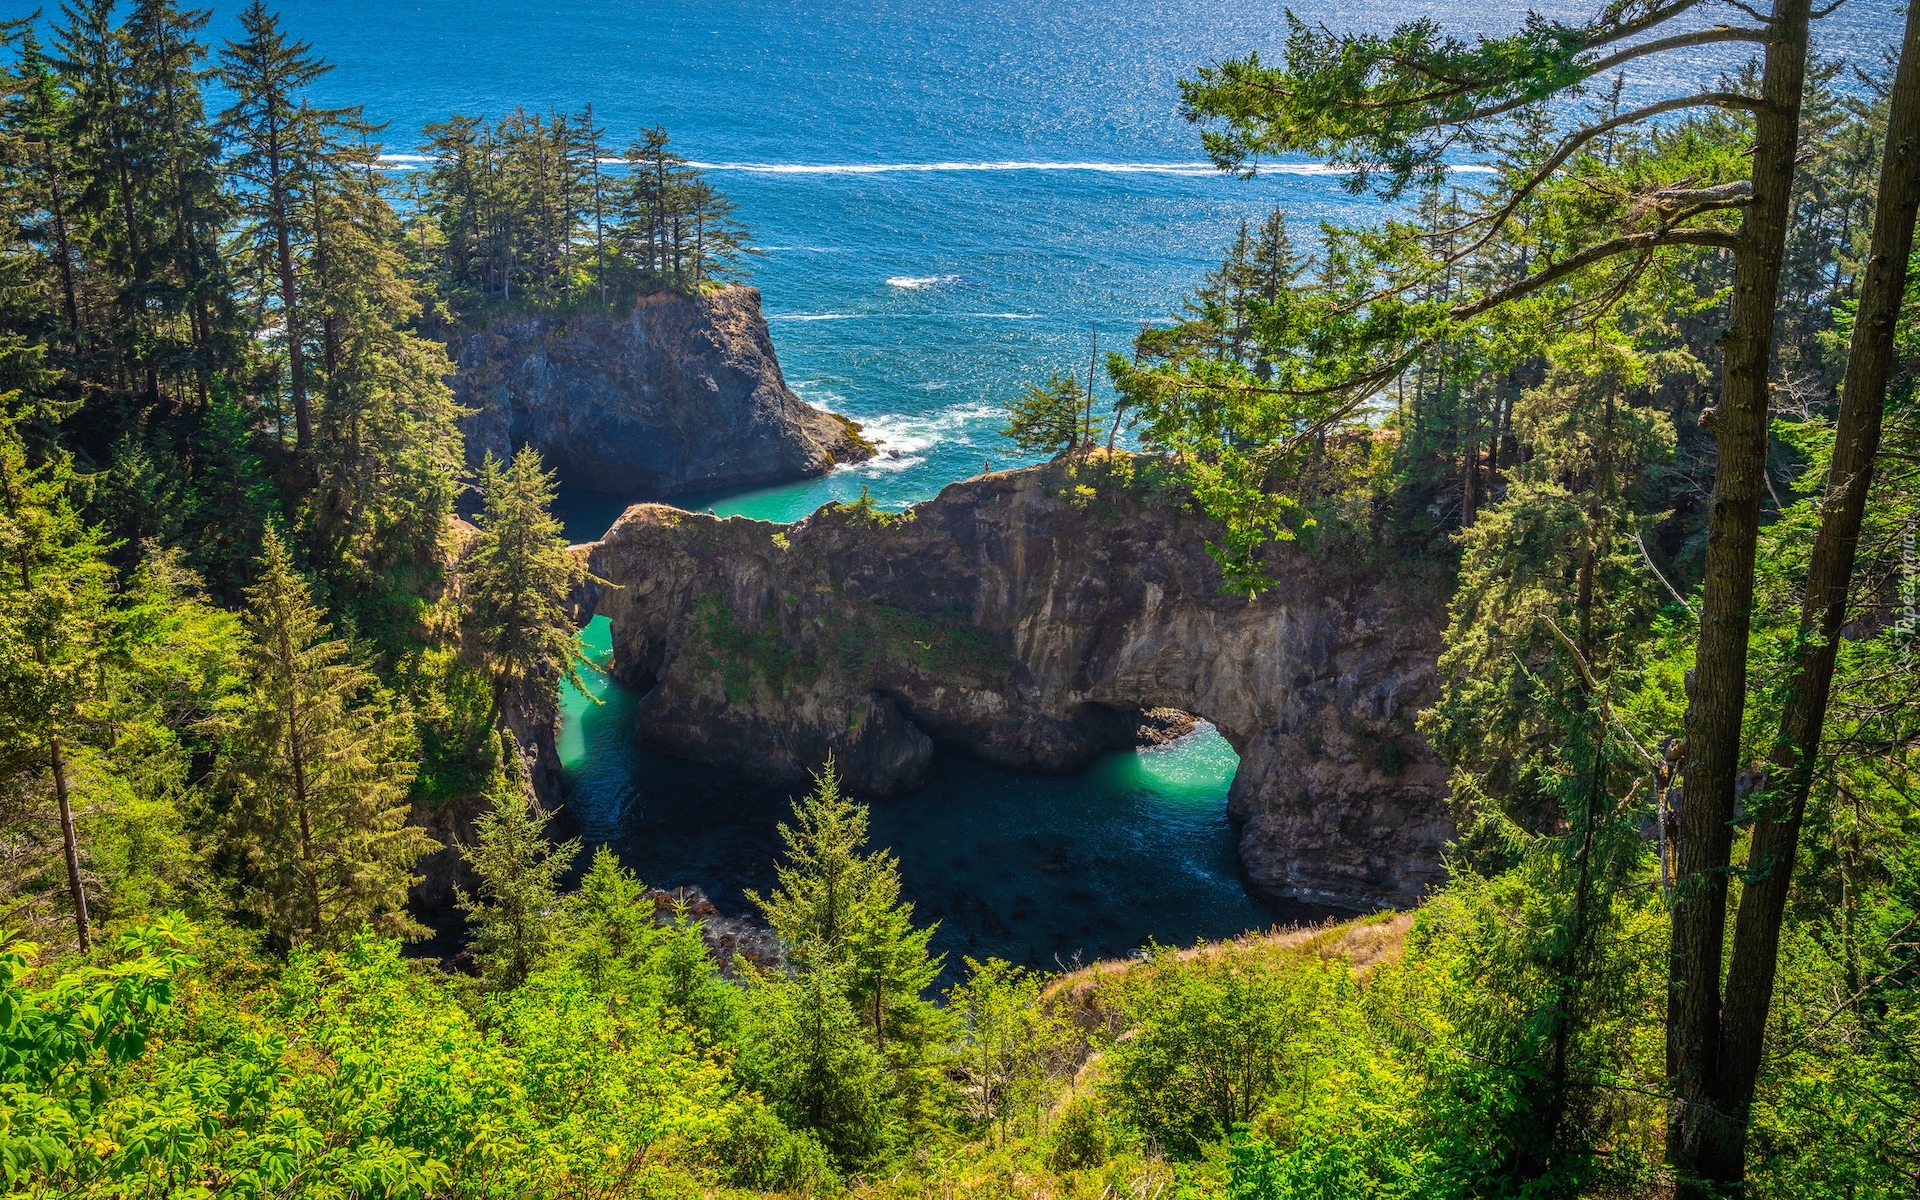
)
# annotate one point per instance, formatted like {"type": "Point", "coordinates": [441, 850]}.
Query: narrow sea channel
{"type": "Point", "coordinates": [1041, 870]}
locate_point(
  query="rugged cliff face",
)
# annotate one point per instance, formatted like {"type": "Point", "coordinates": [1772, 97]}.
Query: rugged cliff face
{"type": "Point", "coordinates": [1035, 618]}
{"type": "Point", "coordinates": [678, 396]}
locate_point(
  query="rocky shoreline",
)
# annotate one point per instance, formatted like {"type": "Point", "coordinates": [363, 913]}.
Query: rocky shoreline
{"type": "Point", "coordinates": [731, 941]}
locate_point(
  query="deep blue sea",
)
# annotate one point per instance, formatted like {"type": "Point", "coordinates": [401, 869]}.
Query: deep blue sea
{"type": "Point", "coordinates": [952, 200]}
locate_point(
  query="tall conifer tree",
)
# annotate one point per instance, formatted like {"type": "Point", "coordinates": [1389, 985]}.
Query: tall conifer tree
{"type": "Point", "coordinates": [275, 138]}
{"type": "Point", "coordinates": [320, 770]}
{"type": "Point", "coordinates": [55, 619]}
{"type": "Point", "coordinates": [518, 576]}
{"type": "Point", "coordinates": [519, 871]}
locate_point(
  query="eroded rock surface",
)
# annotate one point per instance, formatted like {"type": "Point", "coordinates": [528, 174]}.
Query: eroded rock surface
{"type": "Point", "coordinates": [678, 396]}
{"type": "Point", "coordinates": [1039, 631]}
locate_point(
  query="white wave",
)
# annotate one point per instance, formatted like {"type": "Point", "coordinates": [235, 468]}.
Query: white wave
{"type": "Point", "coordinates": [887, 462]}
{"type": "Point", "coordinates": [1332, 169]}
{"type": "Point", "coordinates": [904, 439]}
{"type": "Point", "coordinates": [1105, 168]}
{"type": "Point", "coordinates": [1002, 316]}
{"type": "Point", "coordinates": [922, 168]}
{"type": "Point", "coordinates": [962, 415]}
{"type": "Point", "coordinates": [898, 435]}
{"type": "Point", "coordinates": [923, 283]}
{"type": "Point", "coordinates": [817, 316]}
{"type": "Point", "coordinates": [401, 162]}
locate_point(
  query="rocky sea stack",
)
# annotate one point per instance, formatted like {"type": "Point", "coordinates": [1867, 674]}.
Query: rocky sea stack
{"type": "Point", "coordinates": [1038, 618]}
{"type": "Point", "coordinates": [679, 395]}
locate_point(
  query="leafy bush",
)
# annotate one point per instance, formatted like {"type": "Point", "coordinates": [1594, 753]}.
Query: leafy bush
{"type": "Point", "coordinates": [1212, 1039]}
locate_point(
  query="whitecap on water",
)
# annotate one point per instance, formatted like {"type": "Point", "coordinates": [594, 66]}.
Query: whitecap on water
{"type": "Point", "coordinates": [1122, 168]}
{"type": "Point", "coordinates": [905, 438]}
{"type": "Point", "coordinates": [924, 283]}
{"type": "Point", "coordinates": [1102, 168]}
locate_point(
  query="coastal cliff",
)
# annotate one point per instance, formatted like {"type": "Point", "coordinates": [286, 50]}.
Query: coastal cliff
{"type": "Point", "coordinates": [679, 395]}
{"type": "Point", "coordinates": [1037, 618]}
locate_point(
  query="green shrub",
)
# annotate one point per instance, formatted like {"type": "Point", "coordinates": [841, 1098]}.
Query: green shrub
{"type": "Point", "coordinates": [1214, 1037]}
{"type": "Point", "coordinates": [762, 1153]}
{"type": "Point", "coordinates": [1082, 1137]}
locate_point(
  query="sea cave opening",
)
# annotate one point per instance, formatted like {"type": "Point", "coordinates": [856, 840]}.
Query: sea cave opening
{"type": "Point", "coordinates": [1043, 870]}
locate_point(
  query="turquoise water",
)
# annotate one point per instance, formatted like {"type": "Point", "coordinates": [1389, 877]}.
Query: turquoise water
{"type": "Point", "coordinates": [1035, 869]}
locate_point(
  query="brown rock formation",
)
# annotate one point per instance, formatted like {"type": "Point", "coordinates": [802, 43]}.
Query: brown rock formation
{"type": "Point", "coordinates": [678, 396]}
{"type": "Point", "coordinates": [1038, 625]}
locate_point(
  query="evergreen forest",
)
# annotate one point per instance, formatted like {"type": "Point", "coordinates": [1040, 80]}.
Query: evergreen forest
{"type": "Point", "coordinates": [1643, 399]}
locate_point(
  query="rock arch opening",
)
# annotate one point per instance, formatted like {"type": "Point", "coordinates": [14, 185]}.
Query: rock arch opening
{"type": "Point", "coordinates": [1036, 632]}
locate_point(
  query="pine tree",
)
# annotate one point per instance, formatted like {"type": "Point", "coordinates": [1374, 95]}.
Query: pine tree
{"type": "Point", "coordinates": [320, 771]}
{"type": "Point", "coordinates": [518, 576]}
{"type": "Point", "coordinates": [1390, 106]}
{"type": "Point", "coordinates": [587, 137]}
{"type": "Point", "coordinates": [609, 918]}
{"type": "Point", "coordinates": [647, 207]}
{"type": "Point", "coordinates": [1217, 322]}
{"type": "Point", "coordinates": [838, 907]}
{"type": "Point", "coordinates": [1050, 418]}
{"type": "Point", "coordinates": [1547, 639]}
{"type": "Point", "coordinates": [518, 901]}
{"type": "Point", "coordinates": [277, 138]}
{"type": "Point", "coordinates": [826, 876]}
{"type": "Point", "coordinates": [190, 288]}
{"type": "Point", "coordinates": [454, 196]}
{"type": "Point", "coordinates": [55, 617]}
{"type": "Point", "coordinates": [808, 1054]}
{"type": "Point", "coordinates": [718, 239]}
{"type": "Point", "coordinates": [387, 447]}
{"type": "Point", "coordinates": [41, 119]}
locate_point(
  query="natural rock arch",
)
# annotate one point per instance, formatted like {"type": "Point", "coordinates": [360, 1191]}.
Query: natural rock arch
{"type": "Point", "coordinates": [1032, 623]}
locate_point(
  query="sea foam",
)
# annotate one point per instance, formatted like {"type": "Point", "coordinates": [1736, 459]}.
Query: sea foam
{"type": "Point", "coordinates": [1106, 168]}
{"type": "Point", "coordinates": [924, 283]}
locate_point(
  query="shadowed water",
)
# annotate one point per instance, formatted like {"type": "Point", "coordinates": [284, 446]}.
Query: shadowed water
{"type": "Point", "coordinates": [1042, 870]}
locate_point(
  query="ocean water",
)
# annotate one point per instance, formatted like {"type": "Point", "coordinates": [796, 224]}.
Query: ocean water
{"type": "Point", "coordinates": [951, 200]}
{"type": "Point", "coordinates": [1041, 870]}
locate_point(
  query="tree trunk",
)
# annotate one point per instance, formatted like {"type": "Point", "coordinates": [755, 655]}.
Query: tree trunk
{"type": "Point", "coordinates": [75, 887]}
{"type": "Point", "coordinates": [1469, 467]}
{"type": "Point", "coordinates": [599, 224]}
{"type": "Point", "coordinates": [64, 245]}
{"type": "Point", "coordinates": [289, 298]}
{"type": "Point", "coordinates": [1823, 611]}
{"type": "Point", "coordinates": [1702, 1145]}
